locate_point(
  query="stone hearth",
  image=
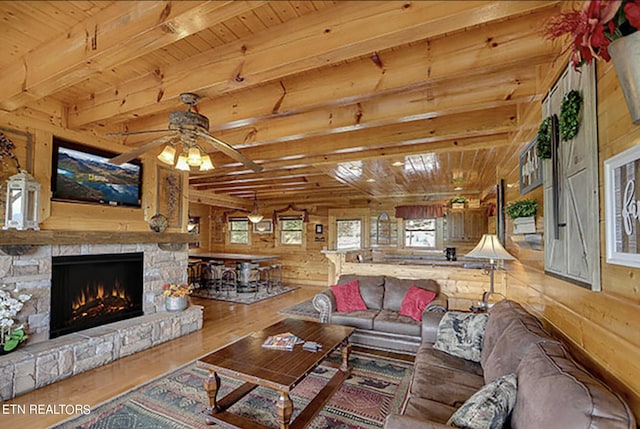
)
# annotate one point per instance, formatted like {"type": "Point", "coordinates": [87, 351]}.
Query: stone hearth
{"type": "Point", "coordinates": [42, 361]}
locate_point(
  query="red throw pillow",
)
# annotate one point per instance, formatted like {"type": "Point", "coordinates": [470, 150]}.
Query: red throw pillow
{"type": "Point", "coordinates": [415, 301]}
{"type": "Point", "coordinates": [348, 297]}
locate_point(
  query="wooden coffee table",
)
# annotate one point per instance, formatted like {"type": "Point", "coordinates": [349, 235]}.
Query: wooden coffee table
{"type": "Point", "coordinates": [280, 370]}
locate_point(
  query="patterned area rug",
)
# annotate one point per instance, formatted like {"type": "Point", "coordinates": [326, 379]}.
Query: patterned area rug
{"type": "Point", "coordinates": [376, 387]}
{"type": "Point", "coordinates": [241, 298]}
{"type": "Point", "coordinates": [304, 309]}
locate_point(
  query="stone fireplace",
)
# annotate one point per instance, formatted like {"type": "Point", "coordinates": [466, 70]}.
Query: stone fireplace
{"type": "Point", "coordinates": [94, 290]}
{"type": "Point", "coordinates": [55, 351]}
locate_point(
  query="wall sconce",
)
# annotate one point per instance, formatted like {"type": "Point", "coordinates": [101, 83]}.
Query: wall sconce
{"type": "Point", "coordinates": [23, 200]}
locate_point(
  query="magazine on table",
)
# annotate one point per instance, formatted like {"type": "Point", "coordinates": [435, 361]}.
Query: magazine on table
{"type": "Point", "coordinates": [286, 341]}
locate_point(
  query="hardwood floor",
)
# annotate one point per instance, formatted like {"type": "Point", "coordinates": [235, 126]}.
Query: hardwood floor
{"type": "Point", "coordinates": [223, 322]}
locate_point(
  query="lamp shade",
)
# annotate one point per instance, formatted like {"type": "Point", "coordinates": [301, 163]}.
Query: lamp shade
{"type": "Point", "coordinates": [167, 155]}
{"type": "Point", "coordinates": [206, 164]}
{"type": "Point", "coordinates": [490, 248]}
{"type": "Point", "coordinates": [182, 163]}
{"type": "Point", "coordinates": [193, 157]}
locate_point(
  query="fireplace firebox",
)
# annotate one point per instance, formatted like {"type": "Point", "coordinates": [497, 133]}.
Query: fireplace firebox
{"type": "Point", "coordinates": [93, 290]}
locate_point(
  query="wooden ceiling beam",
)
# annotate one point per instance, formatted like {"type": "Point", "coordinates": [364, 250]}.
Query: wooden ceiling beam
{"type": "Point", "coordinates": [224, 177]}
{"type": "Point", "coordinates": [117, 34]}
{"type": "Point", "coordinates": [249, 62]}
{"type": "Point", "coordinates": [469, 124]}
{"type": "Point", "coordinates": [212, 199]}
{"type": "Point", "coordinates": [436, 146]}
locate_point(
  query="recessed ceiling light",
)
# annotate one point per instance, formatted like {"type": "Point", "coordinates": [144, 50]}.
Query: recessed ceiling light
{"type": "Point", "coordinates": [371, 180]}
{"type": "Point", "coordinates": [397, 164]}
{"type": "Point", "coordinates": [458, 188]}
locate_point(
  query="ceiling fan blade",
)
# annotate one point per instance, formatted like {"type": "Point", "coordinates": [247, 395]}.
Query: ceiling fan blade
{"type": "Point", "coordinates": [230, 151]}
{"type": "Point", "coordinates": [133, 133]}
{"type": "Point", "coordinates": [128, 156]}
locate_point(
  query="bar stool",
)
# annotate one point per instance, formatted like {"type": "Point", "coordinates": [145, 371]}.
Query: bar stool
{"type": "Point", "coordinates": [247, 275]}
{"type": "Point", "coordinates": [276, 276]}
{"type": "Point", "coordinates": [194, 270]}
{"type": "Point", "coordinates": [264, 280]}
{"type": "Point", "coordinates": [229, 280]}
{"type": "Point", "coordinates": [212, 274]}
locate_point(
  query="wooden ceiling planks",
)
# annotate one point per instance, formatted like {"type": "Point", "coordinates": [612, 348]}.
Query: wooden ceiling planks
{"type": "Point", "coordinates": [305, 88]}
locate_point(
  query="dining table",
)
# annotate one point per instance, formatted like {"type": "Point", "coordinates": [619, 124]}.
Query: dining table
{"type": "Point", "coordinates": [246, 266]}
{"type": "Point", "coordinates": [240, 257]}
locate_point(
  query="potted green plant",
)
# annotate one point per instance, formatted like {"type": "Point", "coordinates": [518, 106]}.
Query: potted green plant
{"type": "Point", "coordinates": [458, 202]}
{"type": "Point", "coordinates": [523, 213]}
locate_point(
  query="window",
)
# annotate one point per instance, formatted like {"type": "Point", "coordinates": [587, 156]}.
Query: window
{"type": "Point", "coordinates": [238, 230]}
{"type": "Point", "coordinates": [291, 228]}
{"type": "Point", "coordinates": [349, 234]}
{"type": "Point", "coordinates": [420, 233]}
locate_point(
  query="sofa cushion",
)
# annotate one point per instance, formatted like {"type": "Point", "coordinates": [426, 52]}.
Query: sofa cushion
{"type": "Point", "coordinates": [357, 319]}
{"type": "Point", "coordinates": [461, 334]}
{"type": "Point", "coordinates": [554, 392]}
{"type": "Point", "coordinates": [501, 315]}
{"type": "Point", "coordinates": [427, 409]}
{"type": "Point", "coordinates": [511, 347]}
{"type": "Point", "coordinates": [415, 301]}
{"type": "Point", "coordinates": [395, 323]}
{"type": "Point", "coordinates": [395, 289]}
{"type": "Point", "coordinates": [447, 379]}
{"type": "Point", "coordinates": [371, 288]}
{"type": "Point", "coordinates": [489, 407]}
{"type": "Point", "coordinates": [348, 297]}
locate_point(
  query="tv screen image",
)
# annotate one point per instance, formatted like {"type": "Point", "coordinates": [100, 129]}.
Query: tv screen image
{"type": "Point", "coordinates": [84, 174]}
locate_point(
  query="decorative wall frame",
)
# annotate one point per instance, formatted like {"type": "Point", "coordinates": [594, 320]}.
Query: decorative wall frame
{"type": "Point", "coordinates": [263, 227]}
{"type": "Point", "coordinates": [169, 196]}
{"type": "Point", "coordinates": [319, 228]}
{"type": "Point", "coordinates": [530, 168]}
{"type": "Point", "coordinates": [622, 207]}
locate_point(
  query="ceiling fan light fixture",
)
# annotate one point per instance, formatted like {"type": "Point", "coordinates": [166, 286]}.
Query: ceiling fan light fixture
{"type": "Point", "coordinates": [194, 158]}
{"type": "Point", "coordinates": [182, 163]}
{"type": "Point", "coordinates": [206, 165]}
{"type": "Point", "coordinates": [168, 155]}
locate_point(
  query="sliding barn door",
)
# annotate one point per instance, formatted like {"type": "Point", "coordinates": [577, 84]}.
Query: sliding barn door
{"type": "Point", "coordinates": [572, 231]}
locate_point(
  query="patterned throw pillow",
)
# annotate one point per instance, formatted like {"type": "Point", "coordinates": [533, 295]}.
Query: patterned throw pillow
{"type": "Point", "coordinates": [461, 334]}
{"type": "Point", "coordinates": [489, 407]}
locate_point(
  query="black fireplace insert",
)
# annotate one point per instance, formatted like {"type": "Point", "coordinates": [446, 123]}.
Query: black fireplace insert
{"type": "Point", "coordinates": [93, 290]}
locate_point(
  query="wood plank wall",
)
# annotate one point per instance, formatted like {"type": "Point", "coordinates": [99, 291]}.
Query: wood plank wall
{"type": "Point", "coordinates": [602, 327]}
{"type": "Point", "coordinates": [302, 265]}
{"type": "Point", "coordinates": [43, 125]}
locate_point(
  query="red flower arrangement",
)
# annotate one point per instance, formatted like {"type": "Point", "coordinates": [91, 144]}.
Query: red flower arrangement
{"type": "Point", "coordinates": [594, 27]}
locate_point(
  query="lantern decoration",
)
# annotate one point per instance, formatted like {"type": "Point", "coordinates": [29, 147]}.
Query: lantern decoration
{"type": "Point", "coordinates": [23, 196]}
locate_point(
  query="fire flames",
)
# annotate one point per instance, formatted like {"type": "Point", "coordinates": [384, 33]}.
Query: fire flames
{"type": "Point", "coordinates": [97, 300]}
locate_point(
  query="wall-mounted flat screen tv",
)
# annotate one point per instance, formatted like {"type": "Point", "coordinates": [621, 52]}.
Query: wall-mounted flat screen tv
{"type": "Point", "coordinates": [83, 174]}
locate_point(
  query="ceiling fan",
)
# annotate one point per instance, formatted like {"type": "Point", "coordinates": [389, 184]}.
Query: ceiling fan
{"type": "Point", "coordinates": [186, 127]}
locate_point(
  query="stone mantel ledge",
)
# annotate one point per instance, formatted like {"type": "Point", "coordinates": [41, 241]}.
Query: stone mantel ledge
{"type": "Point", "coordinates": [14, 237]}
{"type": "Point", "coordinates": [36, 365]}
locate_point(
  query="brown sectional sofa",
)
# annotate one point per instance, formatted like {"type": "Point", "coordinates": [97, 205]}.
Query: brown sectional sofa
{"type": "Point", "coordinates": [554, 392]}
{"type": "Point", "coordinates": [381, 326]}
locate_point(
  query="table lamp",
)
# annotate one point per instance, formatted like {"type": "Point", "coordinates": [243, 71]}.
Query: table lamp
{"type": "Point", "coordinates": [490, 248]}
